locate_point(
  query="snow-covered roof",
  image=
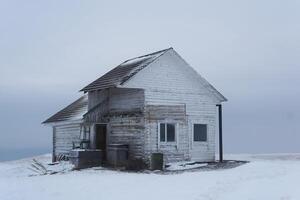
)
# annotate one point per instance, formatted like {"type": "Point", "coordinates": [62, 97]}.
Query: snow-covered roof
{"type": "Point", "coordinates": [123, 72]}
{"type": "Point", "coordinates": [74, 111]}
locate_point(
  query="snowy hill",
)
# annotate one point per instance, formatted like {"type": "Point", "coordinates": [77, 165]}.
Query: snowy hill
{"type": "Point", "coordinates": [274, 176]}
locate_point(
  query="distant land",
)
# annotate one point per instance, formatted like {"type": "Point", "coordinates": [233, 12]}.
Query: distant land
{"type": "Point", "coordinates": [14, 154]}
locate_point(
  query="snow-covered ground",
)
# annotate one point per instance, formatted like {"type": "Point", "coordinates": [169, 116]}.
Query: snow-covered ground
{"type": "Point", "coordinates": [266, 177]}
{"type": "Point", "coordinates": [184, 166]}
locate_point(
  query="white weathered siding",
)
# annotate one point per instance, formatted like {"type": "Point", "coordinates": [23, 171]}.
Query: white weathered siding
{"type": "Point", "coordinates": [126, 121]}
{"type": "Point", "coordinates": [96, 97]}
{"type": "Point", "coordinates": [119, 99]}
{"type": "Point", "coordinates": [123, 115]}
{"type": "Point", "coordinates": [170, 81]}
{"type": "Point", "coordinates": [126, 100]}
{"type": "Point", "coordinates": [175, 114]}
{"type": "Point", "coordinates": [64, 136]}
{"type": "Point", "coordinates": [175, 93]}
{"type": "Point", "coordinates": [128, 130]}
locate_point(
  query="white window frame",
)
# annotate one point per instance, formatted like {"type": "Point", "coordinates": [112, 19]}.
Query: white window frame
{"type": "Point", "coordinates": [166, 142]}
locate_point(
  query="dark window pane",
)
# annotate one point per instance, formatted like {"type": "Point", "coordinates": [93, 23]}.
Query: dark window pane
{"type": "Point", "coordinates": [170, 132]}
{"type": "Point", "coordinates": [162, 133]}
{"type": "Point", "coordinates": [200, 132]}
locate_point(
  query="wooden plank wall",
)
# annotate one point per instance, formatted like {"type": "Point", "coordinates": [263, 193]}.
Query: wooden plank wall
{"type": "Point", "coordinates": [117, 101]}
{"type": "Point", "coordinates": [63, 138]}
{"type": "Point", "coordinates": [124, 100]}
{"type": "Point", "coordinates": [96, 97]}
{"type": "Point", "coordinates": [126, 121]}
{"type": "Point", "coordinates": [122, 110]}
{"type": "Point", "coordinates": [169, 80]}
{"type": "Point", "coordinates": [128, 130]}
{"type": "Point", "coordinates": [174, 151]}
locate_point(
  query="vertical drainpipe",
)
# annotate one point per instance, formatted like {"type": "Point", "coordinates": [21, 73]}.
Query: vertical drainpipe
{"type": "Point", "coordinates": [53, 144]}
{"type": "Point", "coordinates": [220, 133]}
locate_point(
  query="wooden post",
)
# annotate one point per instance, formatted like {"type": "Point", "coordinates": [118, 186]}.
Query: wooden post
{"type": "Point", "coordinates": [220, 133]}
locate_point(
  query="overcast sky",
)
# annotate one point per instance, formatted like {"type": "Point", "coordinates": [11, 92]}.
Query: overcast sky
{"type": "Point", "coordinates": [249, 50]}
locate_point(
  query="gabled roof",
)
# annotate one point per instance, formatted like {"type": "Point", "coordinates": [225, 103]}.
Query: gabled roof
{"type": "Point", "coordinates": [74, 111]}
{"type": "Point", "coordinates": [123, 72]}
{"type": "Point", "coordinates": [114, 78]}
{"type": "Point", "coordinates": [205, 83]}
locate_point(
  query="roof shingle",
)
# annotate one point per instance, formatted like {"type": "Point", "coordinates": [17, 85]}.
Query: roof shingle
{"type": "Point", "coordinates": [123, 72]}
{"type": "Point", "coordinates": [74, 111]}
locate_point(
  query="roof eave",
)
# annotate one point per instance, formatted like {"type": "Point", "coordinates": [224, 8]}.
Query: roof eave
{"type": "Point", "coordinates": [62, 122]}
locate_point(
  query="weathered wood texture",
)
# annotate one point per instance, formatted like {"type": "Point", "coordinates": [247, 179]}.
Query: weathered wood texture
{"type": "Point", "coordinates": [114, 102]}
{"type": "Point", "coordinates": [128, 130]}
{"type": "Point", "coordinates": [126, 123]}
{"type": "Point", "coordinates": [123, 100]}
{"type": "Point", "coordinates": [122, 110]}
{"type": "Point", "coordinates": [169, 80]}
{"type": "Point", "coordinates": [168, 90]}
{"type": "Point", "coordinates": [98, 114]}
{"type": "Point", "coordinates": [173, 151]}
{"type": "Point", "coordinates": [165, 112]}
{"type": "Point", "coordinates": [63, 138]}
{"type": "Point", "coordinates": [96, 97]}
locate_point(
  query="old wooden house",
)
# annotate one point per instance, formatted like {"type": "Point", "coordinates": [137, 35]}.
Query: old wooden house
{"type": "Point", "coordinates": [152, 103]}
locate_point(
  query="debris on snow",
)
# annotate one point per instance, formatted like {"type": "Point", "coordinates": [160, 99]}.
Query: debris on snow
{"type": "Point", "coordinates": [184, 166]}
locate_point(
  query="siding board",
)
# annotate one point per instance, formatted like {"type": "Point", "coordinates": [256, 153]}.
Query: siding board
{"type": "Point", "coordinates": [170, 81]}
{"type": "Point", "coordinates": [63, 138]}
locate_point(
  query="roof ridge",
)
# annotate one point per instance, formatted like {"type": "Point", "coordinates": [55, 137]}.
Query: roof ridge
{"type": "Point", "coordinates": [135, 71]}
{"type": "Point", "coordinates": [149, 54]}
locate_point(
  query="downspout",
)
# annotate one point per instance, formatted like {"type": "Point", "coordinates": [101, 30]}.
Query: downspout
{"type": "Point", "coordinates": [220, 133]}
{"type": "Point", "coordinates": [53, 144]}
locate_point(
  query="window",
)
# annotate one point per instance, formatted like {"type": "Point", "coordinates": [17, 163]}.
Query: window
{"type": "Point", "coordinates": [167, 132]}
{"type": "Point", "coordinates": [200, 132]}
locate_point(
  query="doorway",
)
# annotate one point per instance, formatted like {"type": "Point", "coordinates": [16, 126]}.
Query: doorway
{"type": "Point", "coordinates": [100, 139]}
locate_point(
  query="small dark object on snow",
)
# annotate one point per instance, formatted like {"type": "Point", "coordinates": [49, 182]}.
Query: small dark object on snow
{"type": "Point", "coordinates": [157, 161]}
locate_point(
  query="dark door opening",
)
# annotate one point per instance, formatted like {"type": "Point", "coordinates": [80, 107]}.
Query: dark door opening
{"type": "Point", "coordinates": [101, 138]}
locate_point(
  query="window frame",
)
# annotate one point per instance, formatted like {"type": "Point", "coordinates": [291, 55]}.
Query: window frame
{"type": "Point", "coordinates": [166, 133]}
{"type": "Point", "coordinates": [193, 133]}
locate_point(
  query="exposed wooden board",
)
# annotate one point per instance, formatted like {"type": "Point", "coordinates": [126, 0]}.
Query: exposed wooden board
{"type": "Point", "coordinates": [128, 130]}
{"type": "Point", "coordinates": [155, 114]}
{"type": "Point", "coordinates": [170, 81]}
{"type": "Point", "coordinates": [64, 137]}
{"type": "Point", "coordinates": [119, 101]}
{"type": "Point", "coordinates": [95, 97]}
